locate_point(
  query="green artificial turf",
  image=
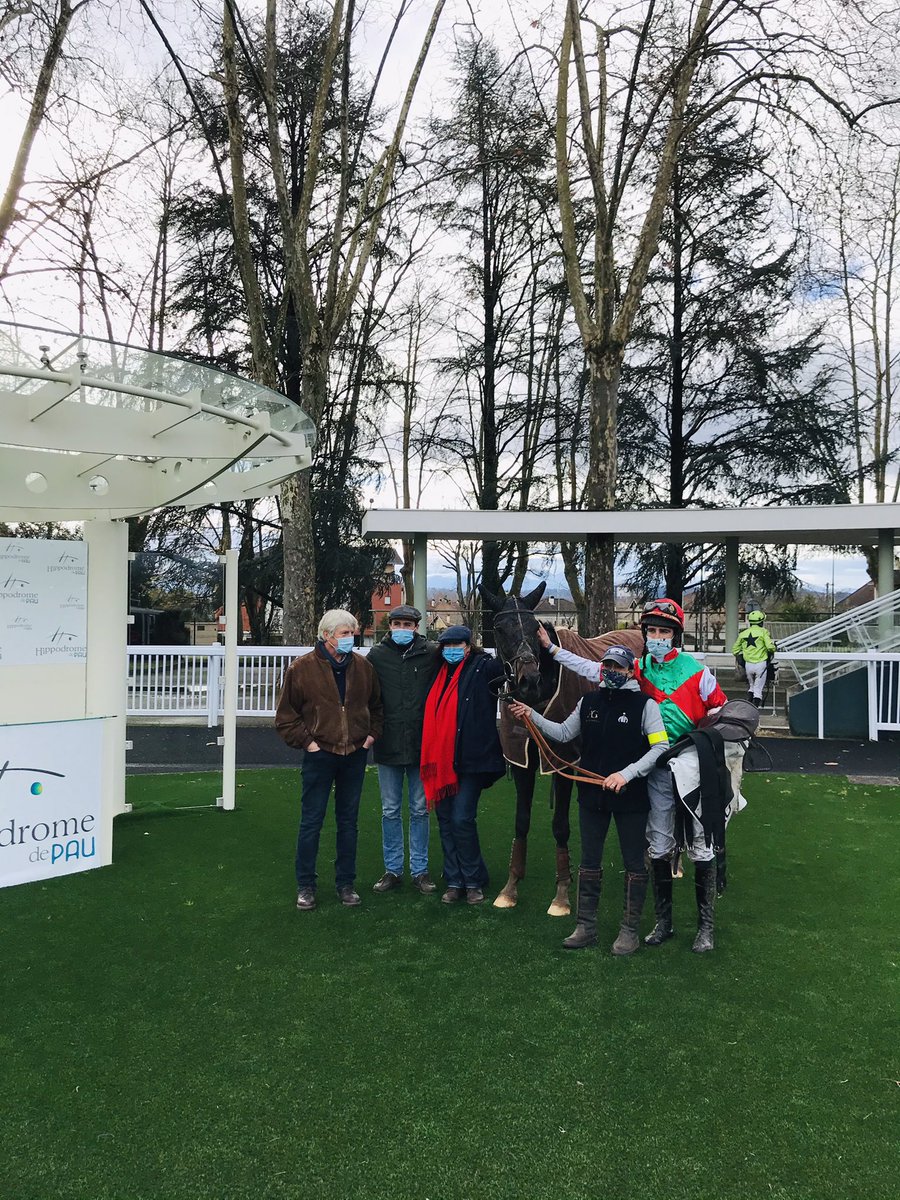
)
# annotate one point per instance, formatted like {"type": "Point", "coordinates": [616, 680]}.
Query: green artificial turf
{"type": "Point", "coordinates": [171, 1026]}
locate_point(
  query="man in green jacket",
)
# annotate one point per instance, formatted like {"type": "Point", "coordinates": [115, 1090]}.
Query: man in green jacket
{"type": "Point", "coordinates": [754, 648]}
{"type": "Point", "coordinates": [406, 665]}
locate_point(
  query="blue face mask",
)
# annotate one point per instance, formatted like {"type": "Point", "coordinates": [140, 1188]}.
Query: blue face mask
{"type": "Point", "coordinates": [658, 648]}
{"type": "Point", "coordinates": [345, 644]}
{"type": "Point", "coordinates": [402, 637]}
{"type": "Point", "coordinates": [613, 679]}
{"type": "Point", "coordinates": [454, 654]}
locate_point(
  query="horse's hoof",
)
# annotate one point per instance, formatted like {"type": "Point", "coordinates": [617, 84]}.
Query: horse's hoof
{"type": "Point", "coordinates": [504, 901]}
{"type": "Point", "coordinates": [558, 910]}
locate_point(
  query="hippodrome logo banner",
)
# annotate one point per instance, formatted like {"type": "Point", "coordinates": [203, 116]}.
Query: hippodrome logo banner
{"type": "Point", "coordinates": [43, 601]}
{"type": "Point", "coordinates": [49, 799]}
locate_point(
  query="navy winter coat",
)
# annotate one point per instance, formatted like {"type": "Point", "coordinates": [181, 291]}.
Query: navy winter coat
{"type": "Point", "coordinates": [477, 744]}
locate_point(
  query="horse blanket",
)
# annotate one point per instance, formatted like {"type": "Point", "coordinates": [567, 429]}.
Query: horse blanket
{"type": "Point", "coordinates": [517, 745]}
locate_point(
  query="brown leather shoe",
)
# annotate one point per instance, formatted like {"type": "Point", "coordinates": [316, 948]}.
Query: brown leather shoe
{"type": "Point", "coordinates": [422, 883]}
{"type": "Point", "coordinates": [306, 900]}
{"type": "Point", "coordinates": [388, 881]}
{"type": "Point", "coordinates": [348, 897]}
{"type": "Point", "coordinates": [474, 896]}
{"type": "Point", "coordinates": [453, 895]}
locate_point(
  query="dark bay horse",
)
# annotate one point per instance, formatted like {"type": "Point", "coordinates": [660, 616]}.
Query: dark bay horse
{"type": "Point", "coordinates": [538, 681]}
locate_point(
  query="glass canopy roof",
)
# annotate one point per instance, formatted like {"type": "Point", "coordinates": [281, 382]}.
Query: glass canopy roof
{"type": "Point", "coordinates": [92, 427]}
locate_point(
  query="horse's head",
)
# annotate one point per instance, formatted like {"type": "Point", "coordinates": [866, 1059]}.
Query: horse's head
{"type": "Point", "coordinates": [516, 637]}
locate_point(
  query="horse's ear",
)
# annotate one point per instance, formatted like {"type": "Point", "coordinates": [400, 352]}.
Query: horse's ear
{"type": "Point", "coordinates": [533, 598]}
{"type": "Point", "coordinates": [493, 602]}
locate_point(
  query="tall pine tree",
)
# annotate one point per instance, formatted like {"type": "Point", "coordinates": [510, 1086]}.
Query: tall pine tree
{"type": "Point", "coordinates": [724, 399]}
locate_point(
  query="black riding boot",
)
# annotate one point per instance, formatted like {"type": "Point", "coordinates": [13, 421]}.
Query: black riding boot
{"type": "Point", "coordinates": [705, 887]}
{"type": "Point", "coordinates": [585, 931]}
{"type": "Point", "coordinates": [662, 899]}
{"type": "Point", "coordinates": [721, 872]}
{"type": "Point", "coordinates": [635, 893]}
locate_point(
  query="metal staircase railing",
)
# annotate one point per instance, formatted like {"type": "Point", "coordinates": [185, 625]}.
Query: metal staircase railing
{"type": "Point", "coordinates": [872, 627]}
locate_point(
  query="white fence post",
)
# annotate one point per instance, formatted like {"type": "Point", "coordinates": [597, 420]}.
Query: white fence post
{"type": "Point", "coordinates": [872, 684]}
{"type": "Point", "coordinates": [820, 697]}
{"type": "Point", "coordinates": [213, 684]}
{"type": "Point", "coordinates": [233, 630]}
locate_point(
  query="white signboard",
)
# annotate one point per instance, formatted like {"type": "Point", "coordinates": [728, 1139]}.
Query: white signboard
{"type": "Point", "coordinates": [50, 790]}
{"type": "Point", "coordinates": [43, 602]}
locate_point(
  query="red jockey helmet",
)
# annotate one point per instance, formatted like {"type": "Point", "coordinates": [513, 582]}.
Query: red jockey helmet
{"type": "Point", "coordinates": [666, 611]}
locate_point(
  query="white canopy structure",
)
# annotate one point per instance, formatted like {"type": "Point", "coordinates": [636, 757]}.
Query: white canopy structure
{"type": "Point", "coordinates": [93, 431]}
{"type": "Point", "coordinates": [837, 524]}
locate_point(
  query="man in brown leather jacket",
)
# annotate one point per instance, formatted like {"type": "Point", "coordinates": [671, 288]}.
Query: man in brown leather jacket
{"type": "Point", "coordinates": [330, 708]}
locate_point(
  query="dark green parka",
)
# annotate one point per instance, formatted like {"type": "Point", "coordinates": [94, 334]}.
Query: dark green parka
{"type": "Point", "coordinates": [406, 674]}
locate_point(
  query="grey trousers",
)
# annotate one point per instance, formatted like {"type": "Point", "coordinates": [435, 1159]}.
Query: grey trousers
{"type": "Point", "coordinates": [661, 821]}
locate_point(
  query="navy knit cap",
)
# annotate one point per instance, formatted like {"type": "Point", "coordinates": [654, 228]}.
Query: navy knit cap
{"type": "Point", "coordinates": [456, 633]}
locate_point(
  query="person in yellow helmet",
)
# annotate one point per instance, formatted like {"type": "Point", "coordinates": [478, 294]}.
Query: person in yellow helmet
{"type": "Point", "coordinates": [754, 648]}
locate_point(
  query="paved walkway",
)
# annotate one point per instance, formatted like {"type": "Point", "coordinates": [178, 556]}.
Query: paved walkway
{"type": "Point", "coordinates": [160, 748]}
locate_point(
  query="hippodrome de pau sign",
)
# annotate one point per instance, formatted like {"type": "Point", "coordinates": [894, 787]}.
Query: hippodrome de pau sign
{"type": "Point", "coordinates": [50, 800]}
{"type": "Point", "coordinates": [51, 772]}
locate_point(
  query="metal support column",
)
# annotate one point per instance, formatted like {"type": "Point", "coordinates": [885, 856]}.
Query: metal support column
{"type": "Point", "coordinates": [732, 591]}
{"type": "Point", "coordinates": [420, 577]}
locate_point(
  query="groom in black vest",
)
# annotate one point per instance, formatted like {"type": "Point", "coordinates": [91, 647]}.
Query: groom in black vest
{"type": "Point", "coordinates": [622, 735]}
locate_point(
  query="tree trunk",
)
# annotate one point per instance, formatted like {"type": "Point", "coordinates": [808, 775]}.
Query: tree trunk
{"type": "Point", "coordinates": [600, 491]}
{"type": "Point", "coordinates": [35, 116]}
{"type": "Point", "coordinates": [675, 553]}
{"type": "Point", "coordinates": [300, 617]}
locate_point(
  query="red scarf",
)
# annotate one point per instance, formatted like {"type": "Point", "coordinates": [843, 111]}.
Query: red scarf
{"type": "Point", "coordinates": [439, 779]}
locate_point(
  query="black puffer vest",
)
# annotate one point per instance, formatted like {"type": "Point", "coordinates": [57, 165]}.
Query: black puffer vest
{"type": "Point", "coordinates": [611, 740]}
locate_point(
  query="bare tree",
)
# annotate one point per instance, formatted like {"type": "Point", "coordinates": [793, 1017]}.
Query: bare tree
{"type": "Point", "coordinates": [321, 306]}
{"type": "Point", "coordinates": [640, 77]}
{"type": "Point", "coordinates": [25, 25]}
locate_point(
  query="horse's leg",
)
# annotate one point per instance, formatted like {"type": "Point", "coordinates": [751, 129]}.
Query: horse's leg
{"type": "Point", "coordinates": [523, 778]}
{"type": "Point", "coordinates": [562, 792]}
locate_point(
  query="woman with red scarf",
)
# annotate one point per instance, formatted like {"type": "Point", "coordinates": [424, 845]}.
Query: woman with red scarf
{"type": "Point", "coordinates": [461, 756]}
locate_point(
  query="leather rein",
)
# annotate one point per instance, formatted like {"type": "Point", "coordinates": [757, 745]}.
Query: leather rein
{"type": "Point", "coordinates": [557, 762]}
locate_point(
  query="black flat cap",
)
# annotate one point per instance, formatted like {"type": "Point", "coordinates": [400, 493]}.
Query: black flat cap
{"type": "Point", "coordinates": [404, 612]}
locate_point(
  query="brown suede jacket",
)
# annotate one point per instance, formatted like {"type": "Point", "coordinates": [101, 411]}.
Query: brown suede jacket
{"type": "Point", "coordinates": [310, 709]}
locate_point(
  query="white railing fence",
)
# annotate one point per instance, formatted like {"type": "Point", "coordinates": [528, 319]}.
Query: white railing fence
{"type": "Point", "coordinates": [188, 681]}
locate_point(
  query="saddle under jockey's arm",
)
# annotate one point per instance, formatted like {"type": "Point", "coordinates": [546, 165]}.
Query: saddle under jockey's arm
{"type": "Point", "coordinates": [560, 731]}
{"type": "Point", "coordinates": [574, 662]}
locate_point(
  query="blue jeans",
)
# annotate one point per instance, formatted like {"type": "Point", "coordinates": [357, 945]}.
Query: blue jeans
{"type": "Point", "coordinates": [319, 771]}
{"type": "Point", "coordinates": [390, 780]}
{"type": "Point", "coordinates": [463, 865]}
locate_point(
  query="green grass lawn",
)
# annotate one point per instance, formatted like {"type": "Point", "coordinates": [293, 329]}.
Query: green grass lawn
{"type": "Point", "coordinates": [171, 1026]}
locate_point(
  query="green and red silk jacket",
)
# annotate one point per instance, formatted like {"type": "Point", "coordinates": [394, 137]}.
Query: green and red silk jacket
{"type": "Point", "coordinates": [682, 687]}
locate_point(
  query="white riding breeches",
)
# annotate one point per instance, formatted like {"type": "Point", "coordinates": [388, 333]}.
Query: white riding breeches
{"type": "Point", "coordinates": [756, 678]}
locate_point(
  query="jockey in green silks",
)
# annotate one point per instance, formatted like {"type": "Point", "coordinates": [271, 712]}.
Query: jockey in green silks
{"type": "Point", "coordinates": [755, 648]}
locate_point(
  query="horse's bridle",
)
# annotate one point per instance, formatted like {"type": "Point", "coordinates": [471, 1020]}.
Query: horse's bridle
{"type": "Point", "coordinates": [527, 656]}
{"type": "Point", "coordinates": [558, 764]}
